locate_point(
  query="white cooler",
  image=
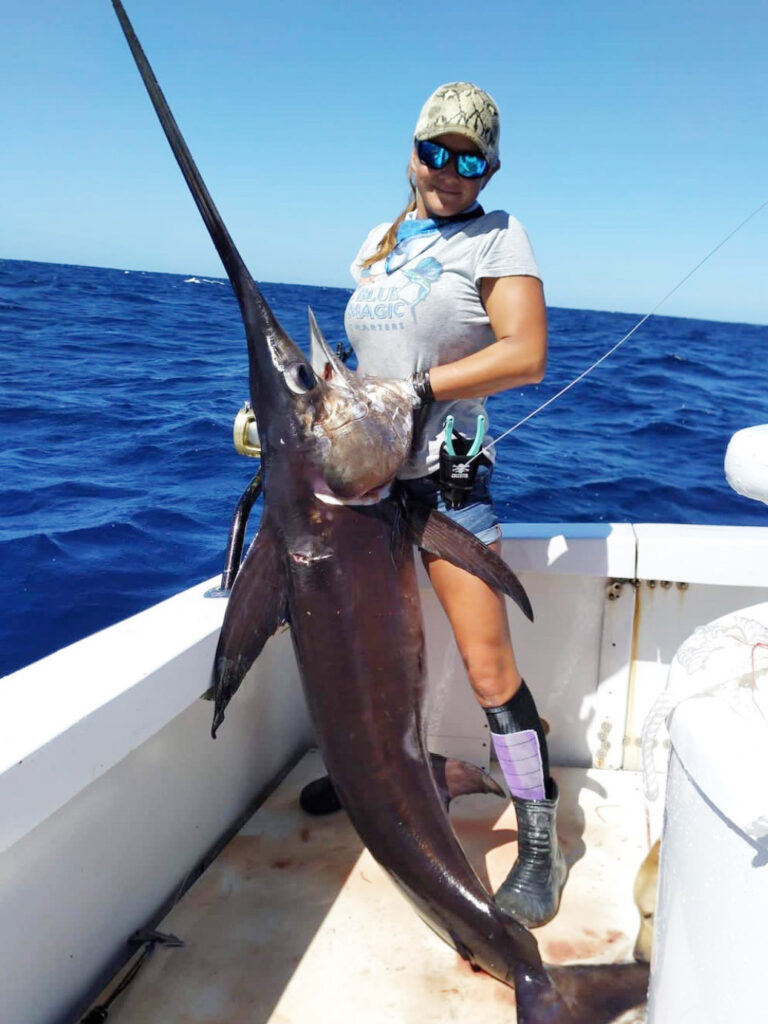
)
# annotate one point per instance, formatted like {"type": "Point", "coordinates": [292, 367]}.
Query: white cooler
{"type": "Point", "coordinates": [710, 954]}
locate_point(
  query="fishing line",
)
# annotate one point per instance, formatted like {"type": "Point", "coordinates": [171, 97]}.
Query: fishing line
{"type": "Point", "coordinates": [627, 336]}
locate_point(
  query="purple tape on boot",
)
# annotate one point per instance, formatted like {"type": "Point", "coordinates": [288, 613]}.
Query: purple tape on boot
{"type": "Point", "coordinates": [520, 759]}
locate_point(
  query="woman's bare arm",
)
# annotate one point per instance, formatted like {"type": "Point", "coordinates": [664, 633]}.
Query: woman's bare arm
{"type": "Point", "coordinates": [516, 309]}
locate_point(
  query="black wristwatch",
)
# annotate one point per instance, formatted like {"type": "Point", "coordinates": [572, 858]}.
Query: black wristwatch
{"type": "Point", "coordinates": [422, 386]}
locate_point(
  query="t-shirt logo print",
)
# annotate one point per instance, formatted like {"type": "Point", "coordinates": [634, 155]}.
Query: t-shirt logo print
{"type": "Point", "coordinates": [388, 305]}
{"type": "Point", "coordinates": [421, 278]}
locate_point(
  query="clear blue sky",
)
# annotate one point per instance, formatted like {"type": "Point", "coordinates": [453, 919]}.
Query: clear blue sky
{"type": "Point", "coordinates": [634, 136]}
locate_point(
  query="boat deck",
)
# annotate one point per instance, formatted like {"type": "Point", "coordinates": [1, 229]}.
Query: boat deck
{"type": "Point", "coordinates": [294, 921]}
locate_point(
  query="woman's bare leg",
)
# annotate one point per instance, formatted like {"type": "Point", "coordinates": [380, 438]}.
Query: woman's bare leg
{"type": "Point", "coordinates": [478, 617]}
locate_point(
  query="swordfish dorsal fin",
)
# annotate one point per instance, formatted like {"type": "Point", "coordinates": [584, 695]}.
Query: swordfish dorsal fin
{"type": "Point", "coordinates": [438, 535]}
{"type": "Point", "coordinates": [325, 363]}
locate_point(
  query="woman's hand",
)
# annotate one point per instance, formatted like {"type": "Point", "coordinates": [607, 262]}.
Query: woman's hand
{"type": "Point", "coordinates": [518, 316]}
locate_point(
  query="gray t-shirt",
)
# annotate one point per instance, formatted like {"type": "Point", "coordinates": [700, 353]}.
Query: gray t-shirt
{"type": "Point", "coordinates": [422, 307]}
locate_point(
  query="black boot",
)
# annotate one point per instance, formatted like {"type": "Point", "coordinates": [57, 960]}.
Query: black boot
{"type": "Point", "coordinates": [319, 797]}
{"type": "Point", "coordinates": [531, 891]}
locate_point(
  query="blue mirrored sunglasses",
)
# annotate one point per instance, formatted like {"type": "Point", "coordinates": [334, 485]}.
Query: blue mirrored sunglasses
{"type": "Point", "coordinates": [436, 157]}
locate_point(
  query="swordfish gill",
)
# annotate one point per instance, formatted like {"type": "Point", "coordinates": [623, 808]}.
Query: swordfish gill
{"type": "Point", "coordinates": [334, 558]}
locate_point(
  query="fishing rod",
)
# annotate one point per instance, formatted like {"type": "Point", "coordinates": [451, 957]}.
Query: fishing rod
{"type": "Point", "coordinates": [627, 336]}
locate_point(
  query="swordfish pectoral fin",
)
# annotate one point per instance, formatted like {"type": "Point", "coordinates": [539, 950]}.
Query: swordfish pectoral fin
{"type": "Point", "coordinates": [257, 607]}
{"type": "Point", "coordinates": [438, 535]}
{"type": "Point", "coordinates": [458, 778]}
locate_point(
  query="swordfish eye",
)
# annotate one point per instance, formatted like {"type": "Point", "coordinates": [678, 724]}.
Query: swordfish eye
{"type": "Point", "coordinates": [300, 378]}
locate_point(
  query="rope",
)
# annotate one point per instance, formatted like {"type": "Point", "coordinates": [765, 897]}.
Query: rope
{"type": "Point", "coordinates": [629, 334]}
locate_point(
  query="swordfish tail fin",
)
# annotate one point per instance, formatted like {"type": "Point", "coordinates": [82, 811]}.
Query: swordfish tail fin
{"type": "Point", "coordinates": [244, 287]}
{"type": "Point", "coordinates": [588, 994]}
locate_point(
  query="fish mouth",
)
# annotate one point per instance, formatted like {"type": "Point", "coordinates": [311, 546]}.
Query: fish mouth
{"type": "Point", "coordinates": [370, 497]}
{"type": "Point", "coordinates": [335, 424]}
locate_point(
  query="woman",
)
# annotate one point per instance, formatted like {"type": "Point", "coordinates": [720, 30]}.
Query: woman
{"type": "Point", "coordinates": [450, 297]}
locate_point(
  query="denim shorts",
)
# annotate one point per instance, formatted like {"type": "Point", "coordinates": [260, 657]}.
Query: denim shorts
{"type": "Point", "coordinates": [477, 516]}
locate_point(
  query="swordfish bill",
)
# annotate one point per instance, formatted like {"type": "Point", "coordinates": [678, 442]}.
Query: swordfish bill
{"type": "Point", "coordinates": [334, 557]}
{"type": "Point", "coordinates": [258, 318]}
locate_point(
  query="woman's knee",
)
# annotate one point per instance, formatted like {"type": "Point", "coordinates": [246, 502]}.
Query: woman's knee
{"type": "Point", "coordinates": [492, 673]}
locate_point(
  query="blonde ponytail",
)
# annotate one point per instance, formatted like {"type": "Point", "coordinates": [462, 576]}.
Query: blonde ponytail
{"type": "Point", "coordinates": [388, 242]}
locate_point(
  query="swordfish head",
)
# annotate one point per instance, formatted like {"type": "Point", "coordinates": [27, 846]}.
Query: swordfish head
{"type": "Point", "coordinates": [343, 434]}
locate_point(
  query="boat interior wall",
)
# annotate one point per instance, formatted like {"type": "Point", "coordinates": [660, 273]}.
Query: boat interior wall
{"type": "Point", "coordinates": [139, 793]}
{"type": "Point", "coordinates": [559, 656]}
{"type": "Point", "coordinates": [612, 603]}
{"type": "Point", "coordinates": [71, 716]}
{"type": "Point", "coordinates": [575, 656]}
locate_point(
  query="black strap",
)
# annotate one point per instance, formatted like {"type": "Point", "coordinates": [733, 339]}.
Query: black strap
{"type": "Point", "coordinates": [476, 211]}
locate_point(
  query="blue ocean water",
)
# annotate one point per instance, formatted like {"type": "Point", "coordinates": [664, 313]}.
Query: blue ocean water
{"type": "Point", "coordinates": [118, 477]}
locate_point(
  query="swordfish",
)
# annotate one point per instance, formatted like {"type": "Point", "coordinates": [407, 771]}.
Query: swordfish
{"type": "Point", "coordinates": [334, 557]}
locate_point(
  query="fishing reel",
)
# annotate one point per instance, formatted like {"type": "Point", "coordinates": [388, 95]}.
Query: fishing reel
{"type": "Point", "coordinates": [245, 436]}
{"type": "Point", "coordinates": [245, 433]}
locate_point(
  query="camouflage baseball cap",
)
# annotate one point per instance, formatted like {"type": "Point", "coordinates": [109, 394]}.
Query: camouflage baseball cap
{"type": "Point", "coordinates": [465, 109]}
